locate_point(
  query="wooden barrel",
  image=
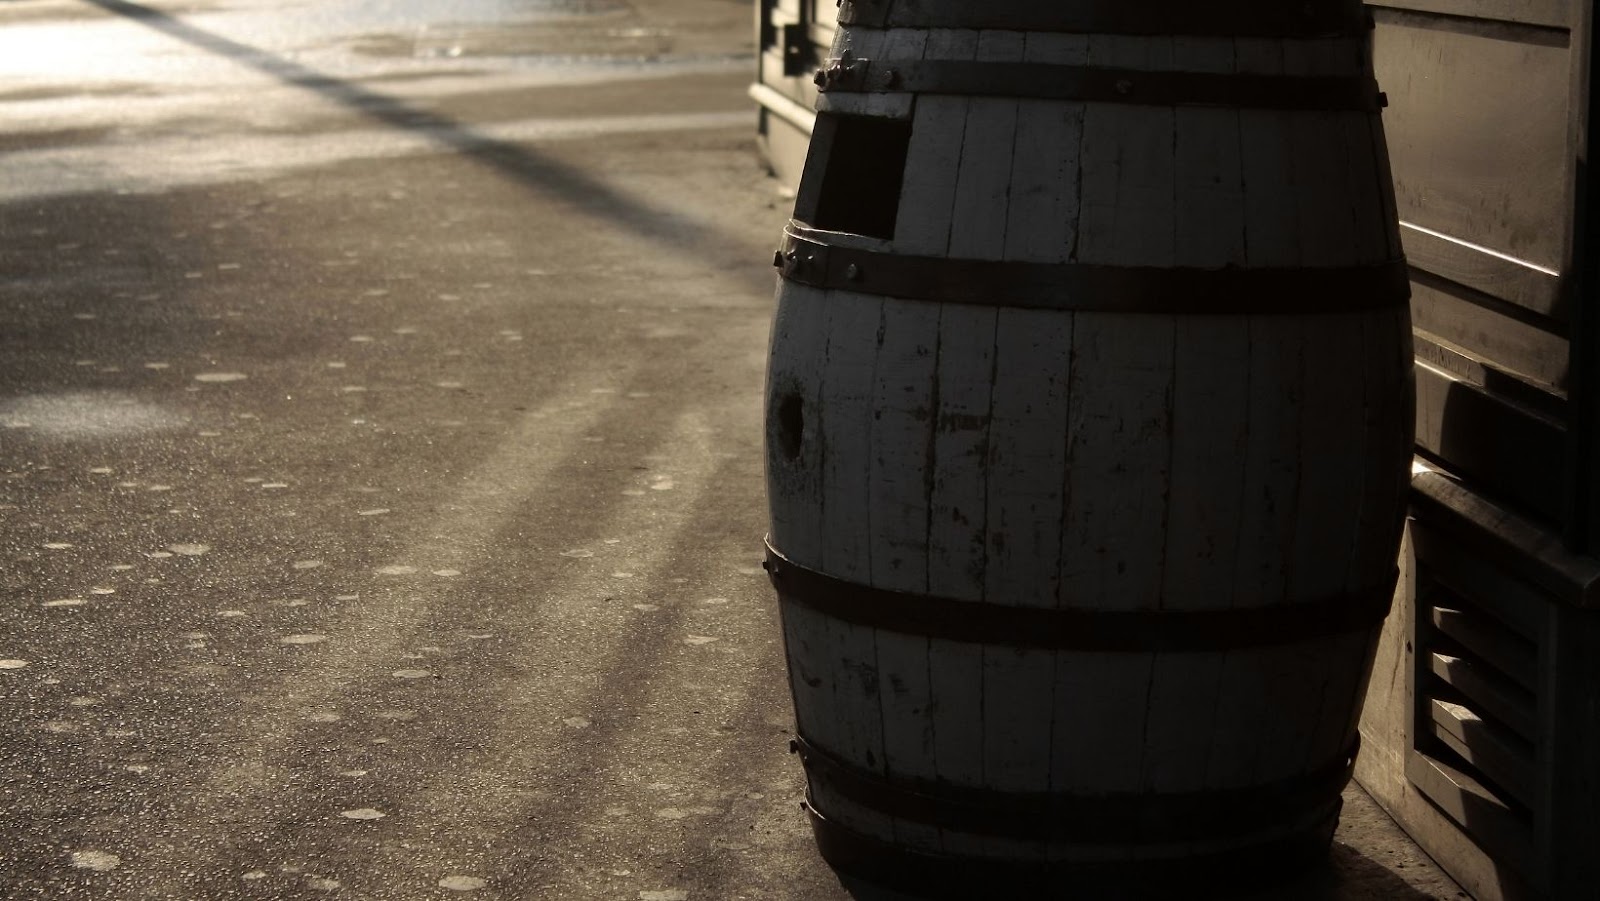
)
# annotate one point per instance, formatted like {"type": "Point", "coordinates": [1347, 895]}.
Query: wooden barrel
{"type": "Point", "coordinates": [1088, 432]}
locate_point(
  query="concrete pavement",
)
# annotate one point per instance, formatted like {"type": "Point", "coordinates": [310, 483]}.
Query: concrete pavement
{"type": "Point", "coordinates": [380, 481]}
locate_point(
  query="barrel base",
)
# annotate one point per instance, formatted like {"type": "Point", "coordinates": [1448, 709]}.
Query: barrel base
{"type": "Point", "coordinates": [1223, 874]}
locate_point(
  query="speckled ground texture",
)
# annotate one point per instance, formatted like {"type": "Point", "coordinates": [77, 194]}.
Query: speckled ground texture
{"type": "Point", "coordinates": [380, 475]}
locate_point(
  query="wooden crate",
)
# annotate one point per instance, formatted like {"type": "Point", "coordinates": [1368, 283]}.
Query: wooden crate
{"type": "Point", "coordinates": [1482, 727]}
{"type": "Point", "coordinates": [1480, 732]}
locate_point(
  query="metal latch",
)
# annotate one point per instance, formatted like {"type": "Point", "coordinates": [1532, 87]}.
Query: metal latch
{"type": "Point", "coordinates": [796, 58]}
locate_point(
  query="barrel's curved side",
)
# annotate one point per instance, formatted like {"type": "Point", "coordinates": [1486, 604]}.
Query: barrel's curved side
{"type": "Point", "coordinates": [1010, 719]}
{"type": "Point", "coordinates": [1090, 459]}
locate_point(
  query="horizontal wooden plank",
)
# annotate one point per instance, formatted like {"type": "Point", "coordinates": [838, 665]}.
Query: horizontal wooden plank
{"type": "Point", "coordinates": [1497, 648]}
{"type": "Point", "coordinates": [1514, 561]}
{"type": "Point", "coordinates": [1548, 13]}
{"type": "Point", "coordinates": [1473, 368]}
{"type": "Point", "coordinates": [1490, 693]}
{"type": "Point", "coordinates": [1491, 751]}
{"type": "Point", "coordinates": [1478, 153]}
{"type": "Point", "coordinates": [1511, 602]}
{"type": "Point", "coordinates": [1505, 449]}
{"type": "Point", "coordinates": [1534, 288]}
{"type": "Point", "coordinates": [798, 88]}
{"type": "Point", "coordinates": [1535, 348]}
{"type": "Point", "coordinates": [1504, 832]}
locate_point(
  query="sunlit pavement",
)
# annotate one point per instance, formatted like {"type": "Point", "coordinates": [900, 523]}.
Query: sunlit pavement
{"type": "Point", "coordinates": [380, 436]}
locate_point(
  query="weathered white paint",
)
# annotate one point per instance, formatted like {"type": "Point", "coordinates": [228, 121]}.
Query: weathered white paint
{"type": "Point", "coordinates": [1097, 460]}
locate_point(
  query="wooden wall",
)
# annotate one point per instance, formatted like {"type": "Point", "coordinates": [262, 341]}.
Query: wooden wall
{"type": "Point", "coordinates": [1479, 729]}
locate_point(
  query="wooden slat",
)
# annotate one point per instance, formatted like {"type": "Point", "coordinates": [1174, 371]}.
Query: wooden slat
{"type": "Point", "coordinates": [1537, 350]}
{"type": "Point", "coordinates": [1548, 13]}
{"type": "Point", "coordinates": [1012, 732]}
{"type": "Point", "coordinates": [794, 491]}
{"type": "Point", "coordinates": [983, 181]}
{"type": "Point", "coordinates": [957, 687]}
{"type": "Point", "coordinates": [1017, 725]}
{"type": "Point", "coordinates": [1119, 427]}
{"type": "Point", "coordinates": [1271, 442]}
{"type": "Point", "coordinates": [1524, 554]}
{"type": "Point", "coordinates": [1364, 191]}
{"type": "Point", "coordinates": [1387, 431]}
{"type": "Point", "coordinates": [1294, 680]}
{"type": "Point", "coordinates": [1384, 451]}
{"type": "Point", "coordinates": [847, 380]}
{"type": "Point", "coordinates": [1208, 430]}
{"type": "Point", "coordinates": [1535, 290]}
{"type": "Point", "coordinates": [905, 359]}
{"type": "Point", "coordinates": [1489, 692]}
{"type": "Point", "coordinates": [1236, 723]}
{"type": "Point", "coordinates": [1271, 458]}
{"type": "Point", "coordinates": [1026, 461]}
{"type": "Point", "coordinates": [927, 199]}
{"type": "Point", "coordinates": [1387, 199]}
{"type": "Point", "coordinates": [903, 364]}
{"type": "Point", "coordinates": [957, 528]}
{"type": "Point", "coordinates": [1026, 453]}
{"type": "Point", "coordinates": [1494, 824]}
{"type": "Point", "coordinates": [1485, 747]}
{"type": "Point", "coordinates": [1476, 370]}
{"type": "Point", "coordinates": [1503, 599]}
{"type": "Point", "coordinates": [845, 426]}
{"type": "Point", "coordinates": [1042, 219]}
{"type": "Point", "coordinates": [1334, 729]}
{"type": "Point", "coordinates": [1476, 155]}
{"type": "Point", "coordinates": [1099, 724]}
{"type": "Point", "coordinates": [906, 704]}
{"type": "Point", "coordinates": [1127, 188]}
{"type": "Point", "coordinates": [1322, 170]}
{"type": "Point", "coordinates": [1266, 151]}
{"type": "Point", "coordinates": [1508, 451]}
{"type": "Point", "coordinates": [1333, 459]}
{"type": "Point", "coordinates": [1509, 655]}
{"type": "Point", "coordinates": [1026, 469]}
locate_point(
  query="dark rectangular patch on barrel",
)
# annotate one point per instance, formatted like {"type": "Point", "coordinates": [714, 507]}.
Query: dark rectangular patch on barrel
{"type": "Point", "coordinates": [861, 174]}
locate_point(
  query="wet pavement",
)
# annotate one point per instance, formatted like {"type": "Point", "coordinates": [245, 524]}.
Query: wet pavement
{"type": "Point", "coordinates": [380, 481]}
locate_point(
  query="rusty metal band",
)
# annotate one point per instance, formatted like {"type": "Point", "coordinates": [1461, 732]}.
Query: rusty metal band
{"type": "Point", "coordinates": [1118, 818]}
{"type": "Point", "coordinates": [1071, 629]}
{"type": "Point", "coordinates": [1046, 81]}
{"type": "Point", "coordinates": [806, 258]}
{"type": "Point", "coordinates": [1177, 18]}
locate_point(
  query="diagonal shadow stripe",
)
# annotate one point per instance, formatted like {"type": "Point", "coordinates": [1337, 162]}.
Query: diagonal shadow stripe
{"type": "Point", "coordinates": [518, 162]}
